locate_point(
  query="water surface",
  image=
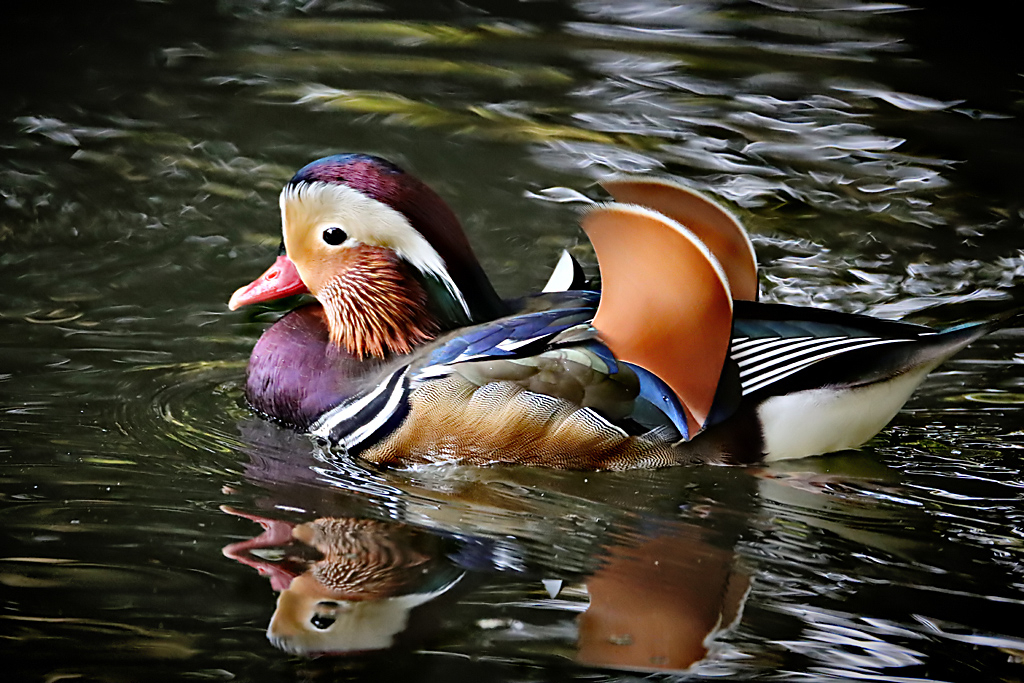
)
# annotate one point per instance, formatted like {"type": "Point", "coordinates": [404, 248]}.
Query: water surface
{"type": "Point", "coordinates": [150, 521]}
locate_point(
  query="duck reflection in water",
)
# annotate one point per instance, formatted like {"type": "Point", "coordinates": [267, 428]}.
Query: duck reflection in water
{"type": "Point", "coordinates": [357, 594]}
{"type": "Point", "coordinates": [351, 585]}
{"type": "Point", "coordinates": [660, 604]}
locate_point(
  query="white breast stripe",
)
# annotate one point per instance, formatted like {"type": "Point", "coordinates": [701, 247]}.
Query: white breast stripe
{"type": "Point", "coordinates": [359, 435]}
{"type": "Point", "coordinates": [323, 426]}
{"type": "Point", "coordinates": [754, 383]}
{"type": "Point", "coordinates": [774, 359]}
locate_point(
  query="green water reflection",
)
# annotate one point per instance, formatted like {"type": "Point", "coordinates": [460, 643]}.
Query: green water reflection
{"type": "Point", "coordinates": [876, 161]}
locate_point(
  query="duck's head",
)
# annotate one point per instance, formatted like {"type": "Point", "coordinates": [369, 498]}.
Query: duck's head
{"type": "Point", "coordinates": [384, 255]}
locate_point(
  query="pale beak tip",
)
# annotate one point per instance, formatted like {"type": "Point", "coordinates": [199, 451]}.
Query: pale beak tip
{"type": "Point", "coordinates": [242, 297]}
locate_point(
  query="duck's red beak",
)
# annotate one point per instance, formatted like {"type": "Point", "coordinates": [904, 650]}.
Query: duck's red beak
{"type": "Point", "coordinates": [280, 280]}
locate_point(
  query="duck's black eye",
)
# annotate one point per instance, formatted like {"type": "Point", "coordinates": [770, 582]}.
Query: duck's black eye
{"type": "Point", "coordinates": [324, 615]}
{"type": "Point", "coordinates": [321, 622]}
{"type": "Point", "coordinates": [334, 236]}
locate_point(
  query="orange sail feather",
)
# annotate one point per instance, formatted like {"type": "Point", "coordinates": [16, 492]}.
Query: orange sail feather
{"type": "Point", "coordinates": [673, 314]}
{"type": "Point", "coordinates": [711, 223]}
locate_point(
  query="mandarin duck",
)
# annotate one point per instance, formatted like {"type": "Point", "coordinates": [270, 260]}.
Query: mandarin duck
{"type": "Point", "coordinates": [409, 356]}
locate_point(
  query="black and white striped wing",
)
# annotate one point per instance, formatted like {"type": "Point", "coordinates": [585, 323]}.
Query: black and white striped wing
{"type": "Point", "coordinates": [764, 361]}
{"type": "Point", "coordinates": [774, 342]}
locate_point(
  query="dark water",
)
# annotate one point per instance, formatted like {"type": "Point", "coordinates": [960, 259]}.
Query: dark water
{"type": "Point", "coordinates": [875, 151]}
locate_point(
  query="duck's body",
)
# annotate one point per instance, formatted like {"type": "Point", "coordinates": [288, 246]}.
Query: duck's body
{"type": "Point", "coordinates": [812, 382]}
{"type": "Point", "coordinates": [680, 365]}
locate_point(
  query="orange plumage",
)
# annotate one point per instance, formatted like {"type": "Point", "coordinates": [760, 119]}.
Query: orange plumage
{"type": "Point", "coordinates": [375, 306]}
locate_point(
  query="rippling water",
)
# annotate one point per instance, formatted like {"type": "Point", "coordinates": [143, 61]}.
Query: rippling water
{"type": "Point", "coordinates": [153, 528]}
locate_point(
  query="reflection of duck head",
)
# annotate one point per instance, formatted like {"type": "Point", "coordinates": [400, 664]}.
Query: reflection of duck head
{"type": "Point", "coordinates": [310, 619]}
{"type": "Point", "coordinates": [358, 595]}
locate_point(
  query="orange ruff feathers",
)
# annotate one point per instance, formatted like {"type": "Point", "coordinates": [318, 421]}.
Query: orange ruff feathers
{"type": "Point", "coordinates": [376, 306]}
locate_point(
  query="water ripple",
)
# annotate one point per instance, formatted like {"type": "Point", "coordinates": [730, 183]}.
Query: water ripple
{"type": "Point", "coordinates": [190, 405]}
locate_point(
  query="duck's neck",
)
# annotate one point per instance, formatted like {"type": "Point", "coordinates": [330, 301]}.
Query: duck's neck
{"type": "Point", "coordinates": [432, 218]}
{"type": "Point", "coordinates": [378, 307]}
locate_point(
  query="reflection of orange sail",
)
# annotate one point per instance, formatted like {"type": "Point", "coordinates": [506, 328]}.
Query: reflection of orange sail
{"type": "Point", "coordinates": [657, 605]}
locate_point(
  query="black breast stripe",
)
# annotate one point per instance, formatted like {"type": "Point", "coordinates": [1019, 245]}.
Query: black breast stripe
{"type": "Point", "coordinates": [357, 420]}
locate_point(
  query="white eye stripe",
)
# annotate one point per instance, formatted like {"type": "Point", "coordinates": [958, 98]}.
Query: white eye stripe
{"type": "Point", "coordinates": [366, 221]}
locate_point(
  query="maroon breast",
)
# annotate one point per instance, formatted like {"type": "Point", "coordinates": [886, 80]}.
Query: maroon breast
{"type": "Point", "coordinates": [295, 372]}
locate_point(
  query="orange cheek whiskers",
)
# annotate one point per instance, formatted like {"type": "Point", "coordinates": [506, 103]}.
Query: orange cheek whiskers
{"type": "Point", "coordinates": [376, 307]}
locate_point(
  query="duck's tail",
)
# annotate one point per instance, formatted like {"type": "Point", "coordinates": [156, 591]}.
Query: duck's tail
{"type": "Point", "coordinates": [843, 402]}
{"type": "Point", "coordinates": [936, 349]}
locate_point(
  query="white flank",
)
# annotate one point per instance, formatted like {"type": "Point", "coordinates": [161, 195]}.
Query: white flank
{"type": "Point", "coordinates": [825, 420]}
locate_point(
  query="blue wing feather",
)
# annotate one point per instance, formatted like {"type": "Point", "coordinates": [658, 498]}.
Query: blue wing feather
{"type": "Point", "coordinates": [659, 396]}
{"type": "Point", "coordinates": [482, 341]}
{"type": "Point", "coordinates": [605, 354]}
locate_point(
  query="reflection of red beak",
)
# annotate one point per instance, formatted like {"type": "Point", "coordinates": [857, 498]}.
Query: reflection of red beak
{"type": "Point", "coordinates": [280, 280]}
